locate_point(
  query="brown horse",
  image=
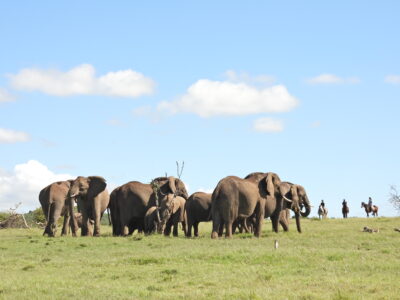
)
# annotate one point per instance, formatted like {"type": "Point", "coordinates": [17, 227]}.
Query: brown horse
{"type": "Point", "coordinates": [345, 210]}
{"type": "Point", "coordinates": [368, 209]}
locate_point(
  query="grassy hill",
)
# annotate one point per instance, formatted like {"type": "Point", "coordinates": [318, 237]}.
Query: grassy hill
{"type": "Point", "coordinates": [331, 259]}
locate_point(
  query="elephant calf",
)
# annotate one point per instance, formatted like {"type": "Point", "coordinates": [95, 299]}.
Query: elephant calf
{"type": "Point", "coordinates": [151, 220]}
{"type": "Point", "coordinates": [198, 209]}
{"type": "Point", "coordinates": [172, 212]}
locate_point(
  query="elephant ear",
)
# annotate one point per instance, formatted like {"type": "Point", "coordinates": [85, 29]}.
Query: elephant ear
{"type": "Point", "coordinates": [295, 198]}
{"type": "Point", "coordinates": [172, 185]}
{"type": "Point", "coordinates": [273, 182]}
{"type": "Point", "coordinates": [97, 184]}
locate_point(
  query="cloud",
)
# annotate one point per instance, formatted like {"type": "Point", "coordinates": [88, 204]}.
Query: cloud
{"type": "Point", "coordinates": [8, 136]}
{"type": "Point", "coordinates": [5, 96]}
{"type": "Point", "coordinates": [332, 79]}
{"type": "Point", "coordinates": [81, 80]}
{"type": "Point", "coordinates": [24, 183]}
{"type": "Point", "coordinates": [393, 79]}
{"type": "Point", "coordinates": [268, 125]}
{"type": "Point", "coordinates": [245, 77]}
{"type": "Point", "coordinates": [208, 98]}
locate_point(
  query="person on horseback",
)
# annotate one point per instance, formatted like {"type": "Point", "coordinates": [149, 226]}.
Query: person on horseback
{"type": "Point", "coordinates": [370, 203]}
{"type": "Point", "coordinates": [344, 203]}
{"type": "Point", "coordinates": [322, 204]}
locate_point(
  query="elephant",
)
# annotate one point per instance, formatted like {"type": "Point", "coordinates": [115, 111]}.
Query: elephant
{"type": "Point", "coordinates": [172, 212]}
{"type": "Point", "coordinates": [234, 197]}
{"type": "Point", "coordinates": [114, 212]}
{"type": "Point", "coordinates": [53, 198]}
{"type": "Point", "coordinates": [198, 209]}
{"type": "Point", "coordinates": [133, 199]}
{"type": "Point", "coordinates": [92, 198]}
{"type": "Point", "coordinates": [296, 199]}
{"type": "Point", "coordinates": [151, 220]}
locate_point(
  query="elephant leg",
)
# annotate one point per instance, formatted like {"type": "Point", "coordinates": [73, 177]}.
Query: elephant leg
{"type": "Point", "coordinates": [189, 228]}
{"type": "Point", "coordinates": [55, 213]}
{"type": "Point", "coordinates": [196, 229]}
{"type": "Point", "coordinates": [216, 226]}
{"type": "Point", "coordinates": [275, 223]}
{"type": "Point", "coordinates": [65, 228]}
{"type": "Point", "coordinates": [97, 217]}
{"type": "Point", "coordinates": [85, 223]}
{"type": "Point", "coordinates": [167, 230]}
{"type": "Point", "coordinates": [175, 230]}
{"type": "Point", "coordinates": [284, 224]}
{"type": "Point", "coordinates": [221, 229]}
{"type": "Point", "coordinates": [228, 229]}
{"type": "Point", "coordinates": [260, 211]}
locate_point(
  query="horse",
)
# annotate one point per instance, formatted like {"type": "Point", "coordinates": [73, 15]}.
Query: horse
{"type": "Point", "coordinates": [368, 209]}
{"type": "Point", "coordinates": [322, 212]}
{"type": "Point", "coordinates": [345, 210]}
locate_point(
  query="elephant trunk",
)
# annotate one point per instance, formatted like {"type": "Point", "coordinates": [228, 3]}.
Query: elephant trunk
{"type": "Point", "coordinates": [298, 222]}
{"type": "Point", "coordinates": [307, 205]}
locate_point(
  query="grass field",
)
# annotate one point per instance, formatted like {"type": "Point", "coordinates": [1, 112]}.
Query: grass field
{"type": "Point", "coordinates": [331, 259]}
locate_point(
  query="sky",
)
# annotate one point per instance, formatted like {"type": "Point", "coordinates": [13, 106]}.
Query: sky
{"type": "Point", "coordinates": [309, 90]}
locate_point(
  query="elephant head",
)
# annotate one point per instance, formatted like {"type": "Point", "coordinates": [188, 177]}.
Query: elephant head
{"type": "Point", "coordinates": [169, 205]}
{"type": "Point", "coordinates": [170, 185]}
{"type": "Point", "coordinates": [296, 199]}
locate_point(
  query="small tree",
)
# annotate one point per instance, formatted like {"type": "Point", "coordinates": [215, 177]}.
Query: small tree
{"type": "Point", "coordinates": [394, 197]}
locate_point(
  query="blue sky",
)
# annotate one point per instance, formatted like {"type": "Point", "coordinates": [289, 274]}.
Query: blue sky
{"type": "Point", "coordinates": [307, 89]}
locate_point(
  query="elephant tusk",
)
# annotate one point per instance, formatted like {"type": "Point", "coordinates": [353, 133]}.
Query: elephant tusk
{"type": "Point", "coordinates": [288, 200]}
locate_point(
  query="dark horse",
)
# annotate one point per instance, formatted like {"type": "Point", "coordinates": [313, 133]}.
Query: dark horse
{"type": "Point", "coordinates": [368, 209]}
{"type": "Point", "coordinates": [345, 210]}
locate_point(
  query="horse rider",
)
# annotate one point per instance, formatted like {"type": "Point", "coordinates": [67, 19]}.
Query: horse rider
{"type": "Point", "coordinates": [370, 203]}
{"type": "Point", "coordinates": [322, 204]}
{"type": "Point", "coordinates": [344, 203]}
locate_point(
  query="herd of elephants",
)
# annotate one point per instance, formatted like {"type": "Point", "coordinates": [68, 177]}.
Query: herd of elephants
{"type": "Point", "coordinates": [235, 204]}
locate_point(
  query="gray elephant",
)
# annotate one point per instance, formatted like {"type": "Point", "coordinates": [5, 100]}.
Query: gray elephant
{"type": "Point", "coordinates": [53, 201]}
{"type": "Point", "coordinates": [198, 209]}
{"type": "Point", "coordinates": [114, 212]}
{"type": "Point", "coordinates": [172, 212]}
{"type": "Point", "coordinates": [169, 214]}
{"type": "Point", "coordinates": [152, 220]}
{"type": "Point", "coordinates": [297, 199]}
{"type": "Point", "coordinates": [92, 198]}
{"type": "Point", "coordinates": [133, 199]}
{"type": "Point", "coordinates": [236, 198]}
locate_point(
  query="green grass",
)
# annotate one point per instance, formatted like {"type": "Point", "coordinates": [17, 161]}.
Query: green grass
{"type": "Point", "coordinates": [331, 259]}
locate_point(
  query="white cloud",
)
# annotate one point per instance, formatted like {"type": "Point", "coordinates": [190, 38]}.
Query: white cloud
{"type": "Point", "coordinates": [332, 79]}
{"type": "Point", "coordinates": [81, 80]}
{"type": "Point", "coordinates": [208, 98]}
{"type": "Point", "coordinates": [245, 77]}
{"type": "Point", "coordinates": [393, 79]}
{"type": "Point", "coordinates": [24, 183]}
{"type": "Point", "coordinates": [8, 136]}
{"type": "Point", "coordinates": [5, 96]}
{"type": "Point", "coordinates": [268, 125]}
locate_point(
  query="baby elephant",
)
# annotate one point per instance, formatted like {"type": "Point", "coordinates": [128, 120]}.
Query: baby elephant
{"type": "Point", "coordinates": [172, 212]}
{"type": "Point", "coordinates": [151, 220]}
{"type": "Point", "coordinates": [198, 209]}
